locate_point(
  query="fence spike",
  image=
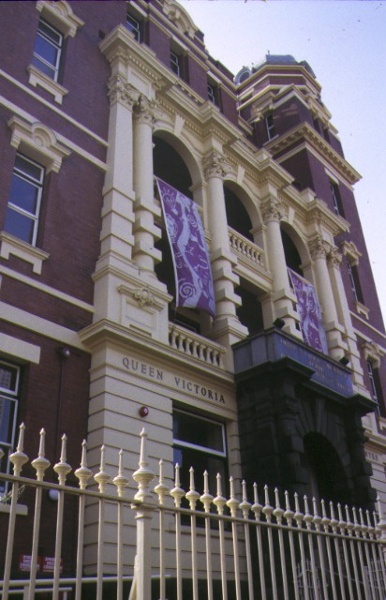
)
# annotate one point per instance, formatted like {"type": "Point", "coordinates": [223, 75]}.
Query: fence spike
{"type": "Point", "coordinates": [219, 501]}
{"type": "Point", "coordinates": [232, 503]}
{"type": "Point", "coordinates": [177, 492]}
{"type": "Point", "coordinates": [288, 513]}
{"type": "Point", "coordinates": [120, 481]}
{"type": "Point", "coordinates": [40, 464]}
{"type": "Point", "coordinates": [206, 497]}
{"type": "Point", "coordinates": [18, 458]}
{"type": "Point", "coordinates": [245, 506]}
{"type": "Point", "coordinates": [278, 511]}
{"type": "Point", "coordinates": [192, 496]}
{"type": "Point", "coordinates": [83, 474]}
{"type": "Point", "coordinates": [102, 477]}
{"type": "Point", "coordinates": [62, 468]}
{"type": "Point", "coordinates": [161, 489]}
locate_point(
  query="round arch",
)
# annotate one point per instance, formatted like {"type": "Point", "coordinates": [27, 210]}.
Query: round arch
{"type": "Point", "coordinates": [246, 203]}
{"type": "Point", "coordinates": [185, 154]}
{"type": "Point", "coordinates": [298, 243]}
{"type": "Point", "coordinates": [326, 473]}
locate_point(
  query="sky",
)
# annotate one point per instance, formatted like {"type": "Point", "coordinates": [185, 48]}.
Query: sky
{"type": "Point", "coordinates": [344, 42]}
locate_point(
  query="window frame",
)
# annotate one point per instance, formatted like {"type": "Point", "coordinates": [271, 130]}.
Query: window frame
{"type": "Point", "coordinates": [270, 126]}
{"type": "Point", "coordinates": [135, 26]}
{"type": "Point", "coordinates": [41, 60]}
{"type": "Point", "coordinates": [38, 184]}
{"type": "Point", "coordinates": [12, 396]}
{"type": "Point", "coordinates": [175, 63]}
{"type": "Point", "coordinates": [336, 198]}
{"type": "Point", "coordinates": [212, 93]}
{"type": "Point", "coordinates": [355, 282]}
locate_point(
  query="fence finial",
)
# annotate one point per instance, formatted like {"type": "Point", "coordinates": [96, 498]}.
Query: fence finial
{"type": "Point", "coordinates": [40, 464]}
{"type": "Point", "coordinates": [83, 473]}
{"type": "Point", "coordinates": [62, 468]}
{"type": "Point", "coordinates": [143, 476]}
{"type": "Point", "coordinates": [18, 458]}
{"type": "Point", "coordinates": [120, 481]}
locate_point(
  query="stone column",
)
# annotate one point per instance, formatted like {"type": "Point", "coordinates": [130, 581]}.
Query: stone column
{"type": "Point", "coordinates": [227, 329]}
{"type": "Point", "coordinates": [334, 261]}
{"type": "Point", "coordinates": [337, 348]}
{"type": "Point", "coordinates": [145, 230]}
{"type": "Point", "coordinates": [283, 299]}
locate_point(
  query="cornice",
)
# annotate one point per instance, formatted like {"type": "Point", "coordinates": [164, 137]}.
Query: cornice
{"type": "Point", "coordinates": [318, 211]}
{"type": "Point", "coordinates": [306, 132]}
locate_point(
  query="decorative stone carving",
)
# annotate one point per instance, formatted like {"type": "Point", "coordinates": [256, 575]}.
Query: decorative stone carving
{"type": "Point", "coordinates": [38, 142]}
{"type": "Point", "coordinates": [121, 91]}
{"type": "Point", "coordinates": [334, 256]}
{"type": "Point", "coordinates": [318, 248]}
{"type": "Point", "coordinates": [144, 297]}
{"type": "Point", "coordinates": [215, 165]}
{"type": "Point", "coordinates": [144, 110]}
{"type": "Point", "coordinates": [272, 210]}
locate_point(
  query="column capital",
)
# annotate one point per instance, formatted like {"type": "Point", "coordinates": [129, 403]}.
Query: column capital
{"type": "Point", "coordinates": [121, 91]}
{"type": "Point", "coordinates": [215, 165]}
{"type": "Point", "coordinates": [144, 110]}
{"type": "Point", "coordinates": [334, 257]}
{"type": "Point", "coordinates": [272, 210]}
{"type": "Point", "coordinates": [318, 248]}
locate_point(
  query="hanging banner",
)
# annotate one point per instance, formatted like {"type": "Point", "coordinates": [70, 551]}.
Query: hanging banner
{"type": "Point", "coordinates": [309, 311]}
{"type": "Point", "coordinates": [192, 270]}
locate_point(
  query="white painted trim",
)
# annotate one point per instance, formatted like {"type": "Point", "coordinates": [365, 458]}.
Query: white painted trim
{"type": "Point", "coordinates": [11, 245]}
{"type": "Point", "coordinates": [42, 287]}
{"type": "Point", "coordinates": [48, 105]}
{"type": "Point", "coordinates": [19, 349]}
{"type": "Point", "coordinates": [22, 318]}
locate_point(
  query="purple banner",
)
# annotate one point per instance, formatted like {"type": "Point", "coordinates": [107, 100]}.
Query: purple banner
{"type": "Point", "coordinates": [189, 250]}
{"type": "Point", "coordinates": [309, 311]}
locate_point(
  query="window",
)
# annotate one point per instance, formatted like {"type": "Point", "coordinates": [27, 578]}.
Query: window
{"type": "Point", "coordinates": [134, 26]}
{"type": "Point", "coordinates": [9, 394]}
{"type": "Point", "coordinates": [355, 283]}
{"type": "Point", "coordinates": [336, 198]}
{"type": "Point", "coordinates": [24, 200]}
{"type": "Point", "coordinates": [270, 126]}
{"type": "Point", "coordinates": [375, 386]}
{"type": "Point", "coordinates": [199, 442]}
{"type": "Point", "coordinates": [212, 93]}
{"type": "Point", "coordinates": [47, 50]}
{"type": "Point", "coordinates": [175, 63]}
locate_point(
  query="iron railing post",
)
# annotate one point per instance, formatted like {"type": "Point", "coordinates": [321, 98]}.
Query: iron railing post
{"type": "Point", "coordinates": [141, 588]}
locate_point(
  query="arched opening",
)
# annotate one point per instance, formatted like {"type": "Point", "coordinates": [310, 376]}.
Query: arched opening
{"type": "Point", "coordinates": [171, 168]}
{"type": "Point", "coordinates": [292, 256]}
{"type": "Point", "coordinates": [249, 313]}
{"type": "Point", "coordinates": [327, 478]}
{"type": "Point", "coordinates": [237, 215]}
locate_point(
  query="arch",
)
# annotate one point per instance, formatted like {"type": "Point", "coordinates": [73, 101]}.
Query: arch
{"type": "Point", "coordinates": [248, 218]}
{"type": "Point", "coordinates": [185, 154]}
{"type": "Point", "coordinates": [295, 246]}
{"type": "Point", "coordinates": [174, 163]}
{"type": "Point", "coordinates": [326, 473]}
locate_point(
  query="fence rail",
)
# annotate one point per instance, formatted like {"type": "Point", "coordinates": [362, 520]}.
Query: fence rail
{"type": "Point", "coordinates": [187, 544]}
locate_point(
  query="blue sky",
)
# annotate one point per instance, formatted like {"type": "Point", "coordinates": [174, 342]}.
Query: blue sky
{"type": "Point", "coordinates": [345, 44]}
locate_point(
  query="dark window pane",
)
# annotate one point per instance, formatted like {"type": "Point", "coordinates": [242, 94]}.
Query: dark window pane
{"type": "Point", "coordinates": [46, 50]}
{"type": "Point", "coordinates": [7, 407]}
{"type": "Point", "coordinates": [50, 32]}
{"type": "Point", "coordinates": [24, 195]}
{"type": "Point", "coordinates": [19, 225]}
{"type": "Point", "coordinates": [198, 432]}
{"type": "Point", "coordinates": [29, 168]}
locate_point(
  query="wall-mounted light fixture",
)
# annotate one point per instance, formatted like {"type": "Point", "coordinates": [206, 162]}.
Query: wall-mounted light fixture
{"type": "Point", "coordinates": [64, 352]}
{"type": "Point", "coordinates": [279, 323]}
{"type": "Point", "coordinates": [344, 361]}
